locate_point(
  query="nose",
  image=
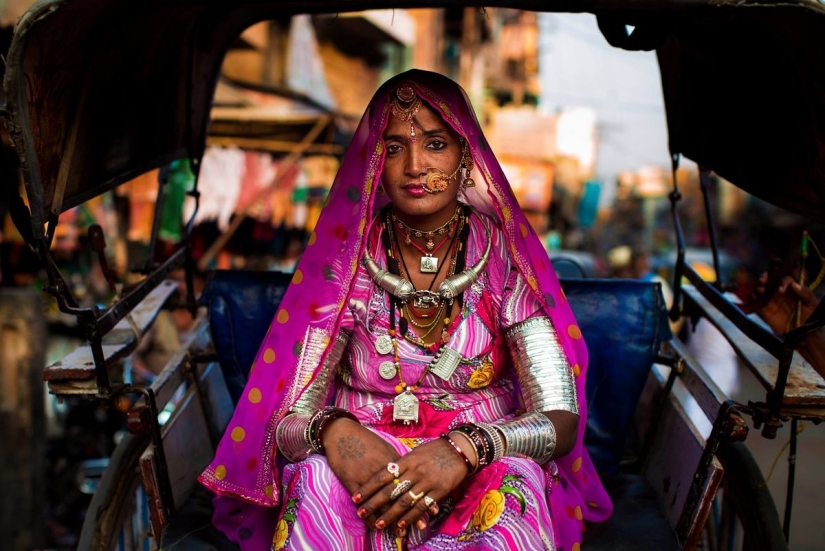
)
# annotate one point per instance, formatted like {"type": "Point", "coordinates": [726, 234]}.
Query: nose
{"type": "Point", "coordinates": [414, 166]}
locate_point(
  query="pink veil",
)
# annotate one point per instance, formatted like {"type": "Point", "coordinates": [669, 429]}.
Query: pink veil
{"type": "Point", "coordinates": [308, 318]}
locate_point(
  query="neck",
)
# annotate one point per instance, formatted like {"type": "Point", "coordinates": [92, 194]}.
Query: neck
{"type": "Point", "coordinates": [426, 222]}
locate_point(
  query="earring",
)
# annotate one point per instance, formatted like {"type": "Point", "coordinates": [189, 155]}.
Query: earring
{"type": "Point", "coordinates": [467, 169]}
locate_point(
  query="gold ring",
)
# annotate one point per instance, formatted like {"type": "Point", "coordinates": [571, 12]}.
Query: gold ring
{"type": "Point", "coordinates": [414, 498]}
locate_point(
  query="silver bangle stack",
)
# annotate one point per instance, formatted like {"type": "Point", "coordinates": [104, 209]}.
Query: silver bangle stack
{"type": "Point", "coordinates": [298, 434]}
{"type": "Point", "coordinates": [291, 437]}
{"type": "Point", "coordinates": [530, 435]}
{"type": "Point", "coordinates": [544, 373]}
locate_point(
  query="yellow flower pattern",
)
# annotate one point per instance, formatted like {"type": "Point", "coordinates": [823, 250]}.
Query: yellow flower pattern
{"type": "Point", "coordinates": [281, 532]}
{"type": "Point", "coordinates": [482, 376]}
{"type": "Point", "coordinates": [492, 505]}
{"type": "Point", "coordinates": [488, 511]}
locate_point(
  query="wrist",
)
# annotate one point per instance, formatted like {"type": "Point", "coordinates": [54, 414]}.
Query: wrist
{"type": "Point", "coordinates": [466, 446]}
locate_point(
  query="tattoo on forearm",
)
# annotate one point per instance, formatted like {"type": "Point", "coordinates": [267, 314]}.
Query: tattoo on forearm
{"type": "Point", "coordinates": [444, 459]}
{"type": "Point", "coordinates": [351, 447]}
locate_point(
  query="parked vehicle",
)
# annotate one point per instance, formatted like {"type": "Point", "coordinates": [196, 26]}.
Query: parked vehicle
{"type": "Point", "coordinates": [100, 90]}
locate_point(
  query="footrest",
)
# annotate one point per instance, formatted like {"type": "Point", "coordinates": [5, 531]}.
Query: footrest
{"type": "Point", "coordinates": [638, 522]}
{"type": "Point", "coordinates": [190, 528]}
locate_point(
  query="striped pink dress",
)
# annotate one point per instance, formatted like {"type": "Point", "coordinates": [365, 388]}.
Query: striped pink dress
{"type": "Point", "coordinates": [503, 507]}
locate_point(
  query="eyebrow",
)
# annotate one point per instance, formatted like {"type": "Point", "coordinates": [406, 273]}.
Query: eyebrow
{"type": "Point", "coordinates": [425, 133]}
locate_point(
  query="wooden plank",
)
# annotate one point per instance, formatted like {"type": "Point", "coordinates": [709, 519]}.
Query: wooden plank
{"type": "Point", "coordinates": [700, 385]}
{"type": "Point", "coordinates": [187, 445]}
{"type": "Point", "coordinates": [674, 457]}
{"type": "Point", "coordinates": [119, 342]}
{"type": "Point", "coordinates": [149, 474]}
{"type": "Point", "coordinates": [805, 386]}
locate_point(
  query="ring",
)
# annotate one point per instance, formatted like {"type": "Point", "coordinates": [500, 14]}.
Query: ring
{"type": "Point", "coordinates": [414, 498]}
{"type": "Point", "coordinates": [402, 487]}
{"type": "Point", "coordinates": [428, 501]}
{"type": "Point", "coordinates": [393, 469]}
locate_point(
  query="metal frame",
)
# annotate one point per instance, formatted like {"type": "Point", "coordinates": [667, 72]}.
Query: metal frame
{"type": "Point", "coordinates": [768, 415]}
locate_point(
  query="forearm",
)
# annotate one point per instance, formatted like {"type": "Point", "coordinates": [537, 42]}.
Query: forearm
{"type": "Point", "coordinates": [299, 433]}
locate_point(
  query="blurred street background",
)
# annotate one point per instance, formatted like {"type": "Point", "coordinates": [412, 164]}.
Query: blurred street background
{"type": "Point", "coordinates": [579, 126]}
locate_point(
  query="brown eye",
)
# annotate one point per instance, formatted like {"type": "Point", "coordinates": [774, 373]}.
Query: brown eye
{"type": "Point", "coordinates": [436, 145]}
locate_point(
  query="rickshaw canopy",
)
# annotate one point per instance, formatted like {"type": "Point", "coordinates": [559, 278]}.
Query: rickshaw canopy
{"type": "Point", "coordinates": [100, 91]}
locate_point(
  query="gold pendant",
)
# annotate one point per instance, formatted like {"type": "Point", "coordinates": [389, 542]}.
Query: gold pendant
{"type": "Point", "coordinates": [445, 362]}
{"type": "Point", "coordinates": [405, 407]}
{"type": "Point", "coordinates": [429, 264]}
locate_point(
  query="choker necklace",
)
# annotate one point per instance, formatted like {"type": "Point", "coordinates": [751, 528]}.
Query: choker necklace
{"type": "Point", "coordinates": [447, 291]}
{"type": "Point", "coordinates": [410, 232]}
{"type": "Point", "coordinates": [429, 263]}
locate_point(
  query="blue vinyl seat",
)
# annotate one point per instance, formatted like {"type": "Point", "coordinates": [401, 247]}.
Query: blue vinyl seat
{"type": "Point", "coordinates": [623, 322]}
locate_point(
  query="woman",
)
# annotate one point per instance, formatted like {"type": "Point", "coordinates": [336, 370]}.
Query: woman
{"type": "Point", "coordinates": [422, 384]}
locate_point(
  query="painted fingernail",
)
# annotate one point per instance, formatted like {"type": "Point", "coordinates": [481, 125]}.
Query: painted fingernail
{"type": "Point", "coordinates": [421, 524]}
{"type": "Point", "coordinates": [361, 512]}
{"type": "Point", "coordinates": [356, 498]}
{"type": "Point", "coordinates": [380, 524]}
{"type": "Point", "coordinates": [400, 532]}
{"type": "Point", "coordinates": [402, 523]}
{"type": "Point", "coordinates": [434, 510]}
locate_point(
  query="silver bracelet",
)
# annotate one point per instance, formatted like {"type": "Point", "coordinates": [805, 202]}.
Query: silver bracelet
{"type": "Point", "coordinates": [316, 394]}
{"type": "Point", "coordinates": [292, 437]}
{"type": "Point", "coordinates": [544, 374]}
{"type": "Point", "coordinates": [530, 435]}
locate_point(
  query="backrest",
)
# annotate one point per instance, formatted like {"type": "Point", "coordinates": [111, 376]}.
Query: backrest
{"type": "Point", "coordinates": [623, 323]}
{"type": "Point", "coordinates": [241, 305]}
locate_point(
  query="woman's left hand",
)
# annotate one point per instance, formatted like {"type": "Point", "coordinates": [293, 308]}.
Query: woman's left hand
{"type": "Point", "coordinates": [433, 469]}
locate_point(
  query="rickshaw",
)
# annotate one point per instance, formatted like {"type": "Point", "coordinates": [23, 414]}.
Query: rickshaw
{"type": "Point", "coordinates": [99, 91]}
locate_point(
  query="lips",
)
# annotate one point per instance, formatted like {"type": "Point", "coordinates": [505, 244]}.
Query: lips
{"type": "Point", "coordinates": [416, 190]}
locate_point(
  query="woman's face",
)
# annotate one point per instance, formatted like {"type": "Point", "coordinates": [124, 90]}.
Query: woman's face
{"type": "Point", "coordinates": [409, 160]}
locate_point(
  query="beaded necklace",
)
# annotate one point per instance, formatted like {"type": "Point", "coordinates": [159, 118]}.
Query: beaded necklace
{"type": "Point", "coordinates": [406, 404]}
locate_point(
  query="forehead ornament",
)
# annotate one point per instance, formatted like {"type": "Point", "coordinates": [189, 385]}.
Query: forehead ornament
{"type": "Point", "coordinates": [405, 105]}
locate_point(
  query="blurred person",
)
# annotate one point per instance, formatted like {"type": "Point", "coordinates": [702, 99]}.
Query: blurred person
{"type": "Point", "coordinates": [779, 301]}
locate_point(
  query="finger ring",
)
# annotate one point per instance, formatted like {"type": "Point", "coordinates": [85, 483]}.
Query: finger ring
{"type": "Point", "coordinates": [414, 498]}
{"type": "Point", "coordinates": [402, 487]}
{"type": "Point", "coordinates": [394, 469]}
{"type": "Point", "coordinates": [428, 501]}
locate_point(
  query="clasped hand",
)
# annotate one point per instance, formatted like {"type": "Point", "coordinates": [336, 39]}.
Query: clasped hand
{"type": "Point", "coordinates": [425, 475]}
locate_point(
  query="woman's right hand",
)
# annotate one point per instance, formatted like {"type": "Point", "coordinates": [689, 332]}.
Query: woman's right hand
{"type": "Point", "coordinates": [354, 453]}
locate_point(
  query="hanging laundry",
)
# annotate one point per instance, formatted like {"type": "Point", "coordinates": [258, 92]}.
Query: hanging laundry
{"type": "Point", "coordinates": [258, 176]}
{"type": "Point", "coordinates": [142, 193]}
{"type": "Point", "coordinates": [219, 182]}
{"type": "Point", "coordinates": [179, 180]}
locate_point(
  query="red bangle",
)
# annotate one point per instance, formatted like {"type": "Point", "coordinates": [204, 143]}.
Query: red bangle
{"type": "Point", "coordinates": [461, 454]}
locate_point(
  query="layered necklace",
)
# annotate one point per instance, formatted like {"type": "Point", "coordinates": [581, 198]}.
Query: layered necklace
{"type": "Point", "coordinates": [422, 305]}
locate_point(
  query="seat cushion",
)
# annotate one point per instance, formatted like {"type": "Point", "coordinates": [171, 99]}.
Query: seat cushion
{"type": "Point", "coordinates": [623, 323]}
{"type": "Point", "coordinates": [191, 527]}
{"type": "Point", "coordinates": [638, 522]}
{"type": "Point", "coordinates": [241, 305]}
